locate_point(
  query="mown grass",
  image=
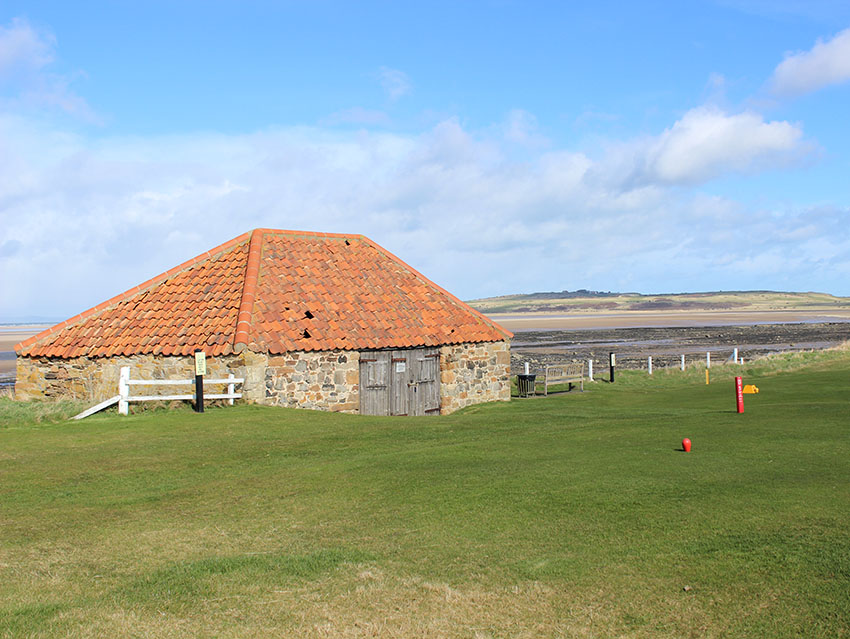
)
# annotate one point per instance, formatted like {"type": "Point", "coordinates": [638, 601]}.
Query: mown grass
{"type": "Point", "coordinates": [572, 515]}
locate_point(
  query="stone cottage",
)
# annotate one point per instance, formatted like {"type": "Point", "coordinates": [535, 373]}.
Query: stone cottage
{"type": "Point", "coordinates": [310, 320]}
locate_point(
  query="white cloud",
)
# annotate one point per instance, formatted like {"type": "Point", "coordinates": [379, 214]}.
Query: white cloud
{"type": "Point", "coordinates": [395, 83]}
{"type": "Point", "coordinates": [521, 128]}
{"type": "Point", "coordinates": [26, 82]}
{"type": "Point", "coordinates": [707, 142]}
{"type": "Point", "coordinates": [83, 220]}
{"type": "Point", "coordinates": [826, 63]}
{"type": "Point", "coordinates": [23, 49]}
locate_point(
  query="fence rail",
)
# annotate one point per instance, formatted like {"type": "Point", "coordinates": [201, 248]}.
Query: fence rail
{"type": "Point", "coordinates": [597, 368]}
{"type": "Point", "coordinates": [124, 384]}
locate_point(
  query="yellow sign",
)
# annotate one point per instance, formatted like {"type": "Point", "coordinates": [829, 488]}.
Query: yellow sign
{"type": "Point", "coordinates": [751, 389]}
{"type": "Point", "coordinates": [200, 363]}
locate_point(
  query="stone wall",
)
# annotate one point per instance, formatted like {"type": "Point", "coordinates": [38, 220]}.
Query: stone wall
{"type": "Point", "coordinates": [474, 373]}
{"type": "Point", "coordinates": [469, 374]}
{"type": "Point", "coordinates": [96, 379]}
{"type": "Point", "coordinates": [325, 380]}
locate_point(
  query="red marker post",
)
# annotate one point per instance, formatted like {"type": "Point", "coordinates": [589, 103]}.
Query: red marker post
{"type": "Point", "coordinates": [739, 393]}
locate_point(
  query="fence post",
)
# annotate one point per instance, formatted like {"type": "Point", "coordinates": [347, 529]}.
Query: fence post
{"type": "Point", "coordinates": [612, 362]}
{"type": "Point", "coordinates": [231, 388]}
{"type": "Point", "coordinates": [735, 354]}
{"type": "Point", "coordinates": [590, 369]}
{"type": "Point", "coordinates": [708, 359]}
{"type": "Point", "coordinates": [649, 364]}
{"type": "Point", "coordinates": [123, 390]}
{"type": "Point", "coordinates": [200, 371]}
{"type": "Point", "coordinates": [683, 361]}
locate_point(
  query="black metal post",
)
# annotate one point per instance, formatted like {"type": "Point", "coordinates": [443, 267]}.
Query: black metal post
{"type": "Point", "coordinates": [199, 385]}
{"type": "Point", "coordinates": [199, 393]}
{"type": "Point", "coordinates": [612, 360]}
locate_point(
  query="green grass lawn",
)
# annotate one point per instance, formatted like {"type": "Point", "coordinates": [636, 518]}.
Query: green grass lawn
{"type": "Point", "coordinates": [572, 515]}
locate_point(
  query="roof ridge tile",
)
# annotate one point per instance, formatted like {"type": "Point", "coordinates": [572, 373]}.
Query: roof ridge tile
{"type": "Point", "coordinates": [249, 291]}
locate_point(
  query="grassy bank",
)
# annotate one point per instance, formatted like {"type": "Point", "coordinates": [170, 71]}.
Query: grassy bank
{"type": "Point", "coordinates": [573, 515]}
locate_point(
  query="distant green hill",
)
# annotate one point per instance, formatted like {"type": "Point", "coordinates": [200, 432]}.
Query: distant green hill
{"type": "Point", "coordinates": [593, 301]}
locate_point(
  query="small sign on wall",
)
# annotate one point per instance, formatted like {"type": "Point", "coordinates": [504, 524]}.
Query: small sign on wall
{"type": "Point", "coordinates": [200, 363]}
{"type": "Point", "coordinates": [400, 367]}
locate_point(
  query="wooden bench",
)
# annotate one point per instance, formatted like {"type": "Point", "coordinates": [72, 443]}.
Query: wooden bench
{"type": "Point", "coordinates": [572, 373]}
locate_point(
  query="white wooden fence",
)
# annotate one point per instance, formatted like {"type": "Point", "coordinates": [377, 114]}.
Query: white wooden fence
{"type": "Point", "coordinates": [732, 358]}
{"type": "Point", "coordinates": [123, 398]}
{"type": "Point", "coordinates": [124, 384]}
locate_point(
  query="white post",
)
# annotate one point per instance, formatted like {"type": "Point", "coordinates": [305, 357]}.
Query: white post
{"type": "Point", "coordinates": [123, 389]}
{"type": "Point", "coordinates": [735, 355]}
{"type": "Point", "coordinates": [708, 359]}
{"type": "Point", "coordinates": [742, 361]}
{"type": "Point", "coordinates": [590, 369]}
{"type": "Point", "coordinates": [683, 362]}
{"type": "Point", "coordinates": [526, 368]}
{"type": "Point", "coordinates": [230, 388]}
{"type": "Point", "coordinates": [649, 363]}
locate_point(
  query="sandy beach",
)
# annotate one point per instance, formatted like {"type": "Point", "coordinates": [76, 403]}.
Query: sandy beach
{"type": "Point", "coordinates": [9, 336]}
{"type": "Point", "coordinates": [656, 319]}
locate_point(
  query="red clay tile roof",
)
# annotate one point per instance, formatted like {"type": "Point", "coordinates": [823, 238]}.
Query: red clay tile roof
{"type": "Point", "coordinates": [273, 291]}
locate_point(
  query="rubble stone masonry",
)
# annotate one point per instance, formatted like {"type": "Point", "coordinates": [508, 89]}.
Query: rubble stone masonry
{"type": "Point", "coordinates": [320, 380]}
{"type": "Point", "coordinates": [96, 379]}
{"type": "Point", "coordinates": [325, 380]}
{"type": "Point", "coordinates": [474, 373]}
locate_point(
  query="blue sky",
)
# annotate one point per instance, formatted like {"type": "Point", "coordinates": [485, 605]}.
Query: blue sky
{"type": "Point", "coordinates": [498, 147]}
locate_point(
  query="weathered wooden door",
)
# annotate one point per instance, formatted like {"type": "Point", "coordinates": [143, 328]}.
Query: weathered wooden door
{"type": "Point", "coordinates": [375, 383]}
{"type": "Point", "coordinates": [425, 381]}
{"type": "Point", "coordinates": [400, 382]}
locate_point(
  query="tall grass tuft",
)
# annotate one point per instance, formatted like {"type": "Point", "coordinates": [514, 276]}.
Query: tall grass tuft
{"type": "Point", "coordinates": [17, 413]}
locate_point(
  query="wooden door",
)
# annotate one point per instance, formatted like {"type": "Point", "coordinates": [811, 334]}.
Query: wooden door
{"type": "Point", "coordinates": [400, 382]}
{"type": "Point", "coordinates": [375, 383]}
{"type": "Point", "coordinates": [425, 381]}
